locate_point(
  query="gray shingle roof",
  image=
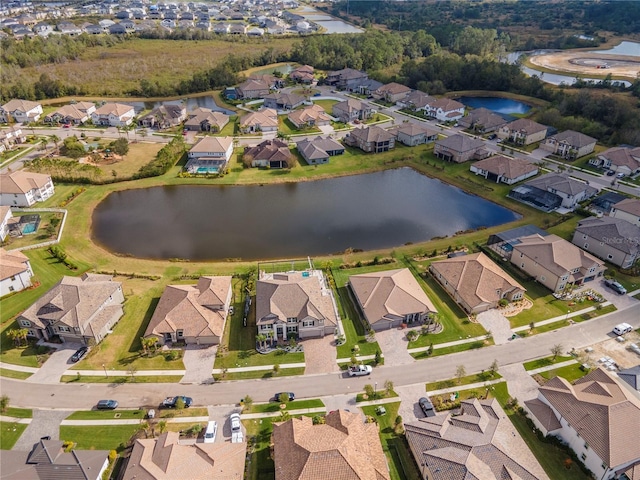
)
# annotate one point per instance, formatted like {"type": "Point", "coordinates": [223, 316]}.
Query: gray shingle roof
{"type": "Point", "coordinates": [617, 233]}
{"type": "Point", "coordinates": [461, 143]}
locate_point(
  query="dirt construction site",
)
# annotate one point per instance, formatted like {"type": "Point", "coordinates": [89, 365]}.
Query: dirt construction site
{"type": "Point", "coordinates": [589, 64]}
{"type": "Point", "coordinates": [619, 352]}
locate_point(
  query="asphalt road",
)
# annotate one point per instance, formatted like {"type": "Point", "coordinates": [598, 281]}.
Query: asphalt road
{"type": "Point", "coordinates": [84, 396]}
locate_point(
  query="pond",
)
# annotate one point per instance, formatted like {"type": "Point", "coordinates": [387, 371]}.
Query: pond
{"type": "Point", "coordinates": [624, 48]}
{"type": "Point", "coordinates": [497, 104]}
{"type": "Point", "coordinates": [331, 24]}
{"type": "Point", "coordinates": [370, 211]}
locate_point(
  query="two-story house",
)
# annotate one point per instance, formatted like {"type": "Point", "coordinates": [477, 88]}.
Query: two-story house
{"type": "Point", "coordinates": [627, 209]}
{"type": "Point", "coordinates": [352, 109]}
{"type": "Point", "coordinates": [252, 88]}
{"type": "Point", "coordinates": [392, 92]}
{"type": "Point", "coordinates": [555, 263]}
{"type": "Point", "coordinates": [613, 239]}
{"type": "Point", "coordinates": [210, 155]}
{"type": "Point", "coordinates": [460, 148]}
{"type": "Point", "coordinates": [113, 115]}
{"type": "Point", "coordinates": [371, 139]}
{"type": "Point", "coordinates": [445, 110]}
{"type": "Point", "coordinates": [522, 132]}
{"type": "Point", "coordinates": [568, 191]}
{"type": "Point", "coordinates": [23, 189]}
{"type": "Point", "coordinates": [15, 272]}
{"type": "Point", "coordinates": [412, 134]}
{"type": "Point", "coordinates": [21, 111]}
{"type": "Point", "coordinates": [622, 160]}
{"type": "Point", "coordinates": [164, 116]}
{"type": "Point", "coordinates": [569, 144]}
{"type": "Point", "coordinates": [346, 79]}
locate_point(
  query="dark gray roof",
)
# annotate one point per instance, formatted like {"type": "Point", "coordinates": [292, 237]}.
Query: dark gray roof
{"type": "Point", "coordinates": [615, 232]}
{"type": "Point", "coordinates": [561, 183]}
{"type": "Point", "coordinates": [461, 143]}
{"type": "Point", "coordinates": [607, 200]}
{"type": "Point", "coordinates": [514, 234]}
{"type": "Point", "coordinates": [631, 376]}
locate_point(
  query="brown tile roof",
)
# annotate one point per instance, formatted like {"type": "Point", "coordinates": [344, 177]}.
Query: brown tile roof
{"type": "Point", "coordinates": [198, 116]}
{"type": "Point", "coordinates": [629, 205]}
{"type": "Point", "coordinates": [412, 129]}
{"type": "Point", "coordinates": [562, 183]}
{"type": "Point", "coordinates": [164, 458]}
{"type": "Point", "coordinates": [253, 84]}
{"type": "Point", "coordinates": [118, 109]}
{"type": "Point", "coordinates": [618, 233]}
{"type": "Point", "coordinates": [343, 448]}
{"type": "Point", "coordinates": [212, 144]}
{"type": "Point", "coordinates": [477, 444]}
{"type": "Point", "coordinates": [485, 117]}
{"type": "Point", "coordinates": [393, 88]}
{"type": "Point", "coordinates": [622, 157]}
{"type": "Point", "coordinates": [198, 310]}
{"type": "Point", "coordinates": [12, 263]}
{"type": "Point", "coordinates": [290, 295]}
{"type": "Point", "coordinates": [446, 104]}
{"type": "Point", "coordinates": [350, 105]}
{"type": "Point", "coordinates": [387, 295]}
{"type": "Point", "coordinates": [418, 99]}
{"type": "Point", "coordinates": [287, 99]}
{"type": "Point", "coordinates": [71, 111]}
{"type": "Point", "coordinates": [270, 150]}
{"type": "Point", "coordinates": [604, 413]}
{"type": "Point", "coordinates": [544, 414]}
{"type": "Point", "coordinates": [371, 134]}
{"type": "Point", "coordinates": [22, 182]}
{"type": "Point", "coordinates": [20, 105]}
{"type": "Point", "coordinates": [460, 143]}
{"type": "Point", "coordinates": [575, 139]}
{"type": "Point", "coordinates": [266, 117]}
{"type": "Point", "coordinates": [506, 166]}
{"type": "Point", "coordinates": [527, 126]}
{"type": "Point", "coordinates": [476, 278]}
{"type": "Point", "coordinates": [308, 114]}
{"type": "Point", "coordinates": [318, 147]}
{"type": "Point", "coordinates": [555, 254]}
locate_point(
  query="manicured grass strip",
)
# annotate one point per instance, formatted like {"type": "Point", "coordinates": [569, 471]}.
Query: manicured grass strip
{"type": "Point", "coordinates": [544, 362]}
{"type": "Point", "coordinates": [378, 395]}
{"type": "Point", "coordinates": [10, 433]}
{"type": "Point", "coordinates": [469, 379]}
{"type": "Point", "coordinates": [275, 406]}
{"type": "Point", "coordinates": [463, 347]}
{"type": "Point", "coordinates": [18, 412]}
{"type": "Point", "coordinates": [107, 415]}
{"type": "Point", "coordinates": [400, 460]}
{"type": "Point", "coordinates": [284, 372]}
{"type": "Point", "coordinates": [98, 437]}
{"type": "Point", "coordinates": [5, 372]}
{"type": "Point", "coordinates": [570, 373]}
{"type": "Point", "coordinates": [121, 379]}
{"type": "Point", "coordinates": [185, 412]}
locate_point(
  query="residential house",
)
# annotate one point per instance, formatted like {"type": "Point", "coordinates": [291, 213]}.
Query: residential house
{"type": "Point", "coordinates": [596, 417]}
{"type": "Point", "coordinates": [283, 101]}
{"type": "Point", "coordinates": [522, 132]}
{"type": "Point", "coordinates": [222, 28]}
{"type": "Point", "coordinates": [371, 139]}
{"type": "Point", "coordinates": [295, 304]}
{"type": "Point", "coordinates": [475, 282]}
{"type": "Point", "coordinates": [255, 32]}
{"type": "Point", "coordinates": [343, 447]}
{"type": "Point", "coordinates": [309, 116]}
{"type": "Point", "coordinates": [76, 113]}
{"type": "Point", "coordinates": [5, 216]}
{"type": "Point", "coordinates": [164, 116]}
{"type": "Point", "coordinates": [76, 309]}
{"type": "Point", "coordinates": [390, 298]}
{"type": "Point", "coordinates": [476, 441]}
{"type": "Point", "coordinates": [263, 120]}
{"type": "Point", "coordinates": [303, 74]}
{"type": "Point", "coordinates": [252, 88]}
{"type": "Point", "coordinates": [352, 109]}
{"type": "Point", "coordinates": [412, 134]}
{"type": "Point", "coordinates": [392, 92]}
{"type": "Point", "coordinates": [318, 150]}
{"type": "Point", "coordinates": [167, 457]}
{"type": "Point", "coordinates": [555, 263]}
{"type": "Point", "coordinates": [482, 120]}
{"type": "Point", "coordinates": [23, 189]}
{"type": "Point", "coordinates": [502, 242]}
{"type": "Point", "coordinates": [205, 120]}
{"type": "Point", "coordinates": [347, 79]}
{"type": "Point", "coordinates": [11, 136]}
{"type": "Point", "coordinates": [113, 115]}
{"type": "Point", "coordinates": [612, 239]}
{"type": "Point", "coordinates": [210, 155]}
{"type": "Point", "coordinates": [604, 202]}
{"type": "Point", "coordinates": [416, 100]}
{"type": "Point", "coordinates": [622, 160]}
{"type": "Point", "coordinates": [270, 153]}
{"type": "Point", "coordinates": [445, 110]}
{"type": "Point", "coordinates": [193, 314]}
{"type": "Point", "coordinates": [50, 459]}
{"type": "Point", "coordinates": [271, 80]}
{"type": "Point", "coordinates": [21, 111]}
{"type": "Point", "coordinates": [15, 271]}
{"type": "Point", "coordinates": [628, 209]}
{"type": "Point", "coordinates": [501, 169]}
{"type": "Point", "coordinates": [460, 148]}
{"type": "Point", "coordinates": [68, 28]}
{"type": "Point", "coordinates": [43, 29]}
{"type": "Point", "coordinates": [238, 29]}
{"type": "Point", "coordinates": [631, 376]}
{"type": "Point", "coordinates": [556, 190]}
{"type": "Point", "coordinates": [569, 144]}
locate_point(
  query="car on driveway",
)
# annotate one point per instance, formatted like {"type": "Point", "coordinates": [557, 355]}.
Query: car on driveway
{"type": "Point", "coordinates": [210, 432]}
{"type": "Point", "coordinates": [427, 407]}
{"type": "Point", "coordinates": [107, 405]}
{"type": "Point", "coordinates": [236, 428]}
{"type": "Point", "coordinates": [611, 173]}
{"type": "Point", "coordinates": [170, 402]}
{"type": "Point", "coordinates": [81, 352]}
{"type": "Point", "coordinates": [276, 397]}
{"type": "Point", "coordinates": [615, 286]}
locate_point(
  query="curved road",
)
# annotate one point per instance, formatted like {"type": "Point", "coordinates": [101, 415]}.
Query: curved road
{"type": "Point", "coordinates": [85, 396]}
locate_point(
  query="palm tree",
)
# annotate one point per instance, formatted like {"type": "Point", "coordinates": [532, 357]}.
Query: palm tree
{"type": "Point", "coordinates": [261, 338]}
{"type": "Point", "coordinates": [55, 139]}
{"type": "Point", "coordinates": [18, 335]}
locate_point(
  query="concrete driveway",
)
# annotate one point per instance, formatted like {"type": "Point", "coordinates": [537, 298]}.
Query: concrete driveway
{"type": "Point", "coordinates": [620, 301]}
{"type": "Point", "coordinates": [393, 344]}
{"type": "Point", "coordinates": [496, 323]}
{"type": "Point", "coordinates": [198, 362]}
{"type": "Point", "coordinates": [58, 363]}
{"type": "Point", "coordinates": [221, 415]}
{"type": "Point", "coordinates": [409, 409]}
{"type": "Point", "coordinates": [44, 423]}
{"type": "Point", "coordinates": [320, 355]}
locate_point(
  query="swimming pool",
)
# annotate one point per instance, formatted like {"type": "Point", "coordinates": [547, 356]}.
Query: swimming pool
{"type": "Point", "coordinates": [207, 170]}
{"type": "Point", "coordinates": [29, 228]}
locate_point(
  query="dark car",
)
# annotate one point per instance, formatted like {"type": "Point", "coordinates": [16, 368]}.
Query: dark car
{"type": "Point", "coordinates": [170, 402]}
{"type": "Point", "coordinates": [492, 136]}
{"type": "Point", "coordinates": [81, 352]}
{"type": "Point", "coordinates": [276, 397]}
{"type": "Point", "coordinates": [610, 173]}
{"type": "Point", "coordinates": [615, 286]}
{"type": "Point", "coordinates": [427, 407]}
{"type": "Point", "coordinates": [107, 405]}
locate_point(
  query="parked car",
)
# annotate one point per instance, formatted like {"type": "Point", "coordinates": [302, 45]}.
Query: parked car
{"type": "Point", "coordinates": [235, 422]}
{"type": "Point", "coordinates": [622, 329]}
{"type": "Point", "coordinates": [276, 397]}
{"type": "Point", "coordinates": [81, 352]}
{"type": "Point", "coordinates": [107, 405]}
{"type": "Point", "coordinates": [358, 370]}
{"type": "Point", "coordinates": [427, 407]}
{"type": "Point", "coordinates": [611, 173]}
{"type": "Point", "coordinates": [170, 402]}
{"type": "Point", "coordinates": [615, 286]}
{"type": "Point", "coordinates": [210, 432]}
{"type": "Point", "coordinates": [620, 175]}
{"type": "Point", "coordinates": [492, 136]}
{"type": "Point", "coordinates": [66, 125]}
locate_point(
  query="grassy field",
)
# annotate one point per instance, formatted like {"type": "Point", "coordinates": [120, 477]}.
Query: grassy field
{"type": "Point", "coordinates": [570, 373]}
{"type": "Point", "coordinates": [463, 347]}
{"type": "Point", "coordinates": [4, 372]}
{"type": "Point", "coordinates": [259, 465]}
{"type": "Point", "coordinates": [10, 433]}
{"type": "Point", "coordinates": [98, 437]}
{"type": "Point", "coordinates": [545, 362]}
{"type": "Point", "coordinates": [284, 372]}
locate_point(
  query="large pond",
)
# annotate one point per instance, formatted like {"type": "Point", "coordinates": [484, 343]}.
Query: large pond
{"type": "Point", "coordinates": [623, 48]}
{"type": "Point", "coordinates": [331, 24]}
{"type": "Point", "coordinates": [371, 211]}
{"type": "Point", "coordinates": [497, 104]}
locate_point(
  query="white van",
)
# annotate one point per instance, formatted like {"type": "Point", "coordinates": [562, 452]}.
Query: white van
{"type": "Point", "coordinates": [210, 432]}
{"type": "Point", "coordinates": [622, 329]}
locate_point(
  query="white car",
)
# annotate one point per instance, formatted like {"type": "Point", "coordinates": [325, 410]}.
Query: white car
{"type": "Point", "coordinates": [358, 370]}
{"type": "Point", "coordinates": [236, 428]}
{"type": "Point", "coordinates": [210, 432]}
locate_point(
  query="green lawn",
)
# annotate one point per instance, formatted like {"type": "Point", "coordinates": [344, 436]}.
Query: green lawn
{"type": "Point", "coordinates": [259, 464]}
{"type": "Point", "coordinates": [107, 415]}
{"type": "Point", "coordinates": [275, 406]}
{"type": "Point", "coordinates": [378, 395]}
{"type": "Point", "coordinates": [570, 373]}
{"type": "Point", "coordinates": [284, 372]}
{"type": "Point", "coordinates": [10, 433]}
{"type": "Point", "coordinates": [286, 127]}
{"type": "Point", "coordinates": [326, 104]}
{"type": "Point", "coordinates": [467, 380]}
{"type": "Point", "coordinates": [545, 362]}
{"type": "Point", "coordinates": [463, 347]}
{"type": "Point", "coordinates": [401, 463]}
{"type": "Point", "coordinates": [5, 372]}
{"type": "Point", "coordinates": [98, 437]}
{"type": "Point", "coordinates": [121, 379]}
{"type": "Point", "coordinates": [18, 412]}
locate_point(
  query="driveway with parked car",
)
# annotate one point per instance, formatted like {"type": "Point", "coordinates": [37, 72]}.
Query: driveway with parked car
{"type": "Point", "coordinates": [57, 364]}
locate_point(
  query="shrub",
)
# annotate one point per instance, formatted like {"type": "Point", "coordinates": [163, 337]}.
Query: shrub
{"type": "Point", "coordinates": [112, 455]}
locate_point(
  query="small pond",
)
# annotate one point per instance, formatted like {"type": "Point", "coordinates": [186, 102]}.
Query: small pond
{"type": "Point", "coordinates": [370, 211]}
{"type": "Point", "coordinates": [497, 104]}
{"type": "Point", "coordinates": [624, 48]}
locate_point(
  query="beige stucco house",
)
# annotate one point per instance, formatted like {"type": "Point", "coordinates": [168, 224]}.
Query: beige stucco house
{"type": "Point", "coordinates": [522, 132]}
{"type": "Point", "coordinates": [460, 148]}
{"type": "Point", "coordinates": [23, 189]}
{"type": "Point", "coordinates": [501, 169]}
{"type": "Point", "coordinates": [628, 209]}
{"type": "Point", "coordinates": [371, 139]}
{"type": "Point", "coordinates": [15, 272]}
{"type": "Point", "coordinates": [569, 144]}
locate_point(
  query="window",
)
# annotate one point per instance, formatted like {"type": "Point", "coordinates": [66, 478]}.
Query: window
{"type": "Point", "coordinates": [586, 446]}
{"type": "Point", "coordinates": [542, 278]}
{"type": "Point", "coordinates": [307, 323]}
{"type": "Point", "coordinates": [586, 245]}
{"type": "Point", "coordinates": [292, 320]}
{"type": "Point", "coordinates": [522, 265]}
{"type": "Point", "coordinates": [584, 237]}
{"type": "Point", "coordinates": [11, 289]}
{"type": "Point", "coordinates": [25, 323]}
{"type": "Point", "coordinates": [609, 257]}
{"type": "Point", "coordinates": [180, 334]}
{"type": "Point", "coordinates": [583, 457]}
{"type": "Point", "coordinates": [63, 328]}
{"type": "Point", "coordinates": [13, 278]}
{"type": "Point", "coordinates": [521, 254]}
{"type": "Point", "coordinates": [604, 466]}
{"type": "Point", "coordinates": [293, 329]}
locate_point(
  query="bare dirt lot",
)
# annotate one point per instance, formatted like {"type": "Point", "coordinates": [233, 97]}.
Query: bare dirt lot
{"type": "Point", "coordinates": [589, 63]}
{"type": "Point", "coordinates": [618, 351]}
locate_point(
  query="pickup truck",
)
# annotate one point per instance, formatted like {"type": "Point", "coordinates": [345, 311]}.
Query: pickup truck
{"type": "Point", "coordinates": [357, 370]}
